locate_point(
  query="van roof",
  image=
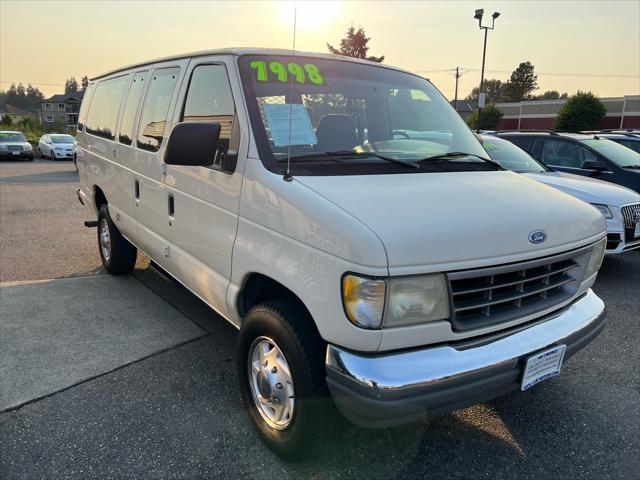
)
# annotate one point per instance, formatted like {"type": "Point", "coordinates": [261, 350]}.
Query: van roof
{"type": "Point", "coordinates": [246, 51]}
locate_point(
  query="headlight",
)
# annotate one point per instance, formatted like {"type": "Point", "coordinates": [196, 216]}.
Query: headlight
{"type": "Point", "coordinates": [606, 212]}
{"type": "Point", "coordinates": [597, 254]}
{"type": "Point", "coordinates": [363, 300]}
{"type": "Point", "coordinates": [410, 300]}
{"type": "Point", "coordinates": [59, 149]}
{"type": "Point", "coordinates": [416, 300]}
{"type": "Point", "coordinates": [3, 147]}
{"type": "Point", "coordinates": [28, 147]}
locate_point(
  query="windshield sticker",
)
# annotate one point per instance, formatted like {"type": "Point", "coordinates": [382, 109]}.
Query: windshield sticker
{"type": "Point", "coordinates": [279, 117]}
{"type": "Point", "coordinates": [279, 72]}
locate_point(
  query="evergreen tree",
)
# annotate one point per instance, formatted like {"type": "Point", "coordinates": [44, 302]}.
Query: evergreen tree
{"type": "Point", "coordinates": [71, 85]}
{"type": "Point", "coordinates": [354, 45]}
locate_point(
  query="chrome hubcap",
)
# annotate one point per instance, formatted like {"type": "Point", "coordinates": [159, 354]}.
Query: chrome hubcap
{"type": "Point", "coordinates": [271, 383]}
{"type": "Point", "coordinates": [105, 239]}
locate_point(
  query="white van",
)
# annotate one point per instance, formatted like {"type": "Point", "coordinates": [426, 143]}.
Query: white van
{"type": "Point", "coordinates": [343, 217]}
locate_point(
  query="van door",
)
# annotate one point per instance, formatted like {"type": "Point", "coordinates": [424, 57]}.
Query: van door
{"type": "Point", "coordinates": [202, 203]}
{"type": "Point", "coordinates": [148, 168]}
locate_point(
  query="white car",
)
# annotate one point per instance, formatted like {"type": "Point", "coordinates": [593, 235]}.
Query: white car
{"type": "Point", "coordinates": [57, 146]}
{"type": "Point", "coordinates": [619, 205]}
{"type": "Point", "coordinates": [401, 277]}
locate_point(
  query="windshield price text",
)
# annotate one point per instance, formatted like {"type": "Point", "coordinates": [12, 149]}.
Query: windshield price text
{"type": "Point", "coordinates": [278, 71]}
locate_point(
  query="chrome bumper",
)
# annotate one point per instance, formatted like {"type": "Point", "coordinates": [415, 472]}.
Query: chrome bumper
{"type": "Point", "coordinates": [400, 387]}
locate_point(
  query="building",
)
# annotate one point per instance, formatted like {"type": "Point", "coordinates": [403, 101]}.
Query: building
{"type": "Point", "coordinates": [464, 107]}
{"type": "Point", "coordinates": [622, 112]}
{"type": "Point", "coordinates": [15, 113]}
{"type": "Point", "coordinates": [61, 108]}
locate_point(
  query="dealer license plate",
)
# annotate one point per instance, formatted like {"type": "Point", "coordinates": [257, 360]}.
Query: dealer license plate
{"type": "Point", "coordinates": [542, 365]}
{"type": "Point", "coordinates": [637, 232]}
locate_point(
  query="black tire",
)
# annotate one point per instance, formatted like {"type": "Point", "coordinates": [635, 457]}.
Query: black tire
{"type": "Point", "coordinates": [120, 257]}
{"type": "Point", "coordinates": [52, 155]}
{"type": "Point", "coordinates": [315, 419]}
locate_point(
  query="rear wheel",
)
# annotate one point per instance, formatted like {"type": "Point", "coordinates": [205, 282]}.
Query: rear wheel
{"type": "Point", "coordinates": [117, 253]}
{"type": "Point", "coordinates": [280, 361]}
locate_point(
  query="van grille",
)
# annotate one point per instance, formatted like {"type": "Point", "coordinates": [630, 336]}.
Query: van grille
{"type": "Point", "coordinates": [488, 296]}
{"type": "Point", "coordinates": [15, 148]}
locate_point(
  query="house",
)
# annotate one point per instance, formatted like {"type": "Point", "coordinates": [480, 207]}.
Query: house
{"type": "Point", "coordinates": [622, 112]}
{"type": "Point", "coordinates": [61, 108]}
{"type": "Point", "coordinates": [15, 113]}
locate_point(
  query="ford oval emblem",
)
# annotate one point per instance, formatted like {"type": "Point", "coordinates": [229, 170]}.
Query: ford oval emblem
{"type": "Point", "coordinates": [537, 236]}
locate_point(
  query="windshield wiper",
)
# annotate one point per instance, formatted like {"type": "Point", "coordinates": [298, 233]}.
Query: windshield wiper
{"type": "Point", "coordinates": [444, 156]}
{"type": "Point", "coordinates": [350, 153]}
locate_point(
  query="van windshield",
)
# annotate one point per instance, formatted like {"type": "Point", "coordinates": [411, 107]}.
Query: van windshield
{"type": "Point", "coordinates": [332, 116]}
{"type": "Point", "coordinates": [12, 137]}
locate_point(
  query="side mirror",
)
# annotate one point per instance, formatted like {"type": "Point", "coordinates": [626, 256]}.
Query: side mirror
{"type": "Point", "coordinates": [594, 165]}
{"type": "Point", "coordinates": [192, 144]}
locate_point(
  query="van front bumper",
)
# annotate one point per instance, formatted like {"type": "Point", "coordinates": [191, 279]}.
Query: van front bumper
{"type": "Point", "coordinates": [400, 387]}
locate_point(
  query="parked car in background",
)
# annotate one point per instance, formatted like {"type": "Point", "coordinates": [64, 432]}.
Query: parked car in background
{"type": "Point", "coordinates": [15, 146]}
{"type": "Point", "coordinates": [587, 155]}
{"type": "Point", "coordinates": [57, 146]}
{"type": "Point", "coordinates": [619, 205]}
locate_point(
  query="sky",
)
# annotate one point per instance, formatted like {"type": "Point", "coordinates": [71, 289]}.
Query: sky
{"type": "Point", "coordinates": [586, 45]}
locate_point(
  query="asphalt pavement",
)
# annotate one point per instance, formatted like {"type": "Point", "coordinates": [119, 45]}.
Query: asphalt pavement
{"type": "Point", "coordinates": [167, 405]}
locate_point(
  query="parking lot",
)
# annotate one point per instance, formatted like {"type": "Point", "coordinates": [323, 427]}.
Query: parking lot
{"type": "Point", "coordinates": [134, 377]}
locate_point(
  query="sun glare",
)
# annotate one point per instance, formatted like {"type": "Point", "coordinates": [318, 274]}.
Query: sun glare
{"type": "Point", "coordinates": [309, 14]}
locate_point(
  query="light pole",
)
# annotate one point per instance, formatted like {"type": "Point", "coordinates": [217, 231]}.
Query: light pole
{"type": "Point", "coordinates": [478, 16]}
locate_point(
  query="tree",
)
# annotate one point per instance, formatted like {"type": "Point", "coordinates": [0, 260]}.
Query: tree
{"type": "Point", "coordinates": [71, 85]}
{"type": "Point", "coordinates": [354, 45]}
{"type": "Point", "coordinates": [492, 87]}
{"type": "Point", "coordinates": [34, 97]}
{"type": "Point", "coordinates": [521, 84]}
{"type": "Point", "coordinates": [489, 118]}
{"type": "Point", "coordinates": [582, 111]}
{"type": "Point", "coordinates": [6, 120]}
{"type": "Point", "coordinates": [84, 82]}
{"type": "Point", "coordinates": [550, 95]}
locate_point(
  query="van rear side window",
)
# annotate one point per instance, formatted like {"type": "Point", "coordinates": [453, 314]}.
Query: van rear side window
{"type": "Point", "coordinates": [105, 105]}
{"type": "Point", "coordinates": [156, 107]}
{"type": "Point", "coordinates": [131, 108]}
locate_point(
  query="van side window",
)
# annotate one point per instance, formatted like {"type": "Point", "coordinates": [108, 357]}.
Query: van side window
{"type": "Point", "coordinates": [105, 105]}
{"type": "Point", "coordinates": [209, 99]}
{"type": "Point", "coordinates": [131, 108]}
{"type": "Point", "coordinates": [156, 107]}
{"type": "Point", "coordinates": [84, 107]}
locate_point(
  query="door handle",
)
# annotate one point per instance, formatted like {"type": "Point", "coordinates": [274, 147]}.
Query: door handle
{"type": "Point", "coordinates": [171, 207]}
{"type": "Point", "coordinates": [136, 191]}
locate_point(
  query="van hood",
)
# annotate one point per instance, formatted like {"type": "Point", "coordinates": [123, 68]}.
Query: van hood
{"type": "Point", "coordinates": [587, 189]}
{"type": "Point", "coordinates": [470, 218]}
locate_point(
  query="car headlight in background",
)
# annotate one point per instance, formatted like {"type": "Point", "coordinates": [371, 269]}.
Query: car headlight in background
{"type": "Point", "coordinates": [3, 147]}
{"type": "Point", "coordinates": [375, 303]}
{"type": "Point", "coordinates": [597, 254]}
{"type": "Point", "coordinates": [28, 147]}
{"type": "Point", "coordinates": [606, 212]}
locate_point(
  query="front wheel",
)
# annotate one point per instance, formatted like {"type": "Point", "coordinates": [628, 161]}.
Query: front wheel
{"type": "Point", "coordinates": [117, 253]}
{"type": "Point", "coordinates": [280, 361]}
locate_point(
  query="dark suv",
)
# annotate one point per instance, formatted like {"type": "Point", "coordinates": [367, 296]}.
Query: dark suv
{"type": "Point", "coordinates": [588, 155]}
